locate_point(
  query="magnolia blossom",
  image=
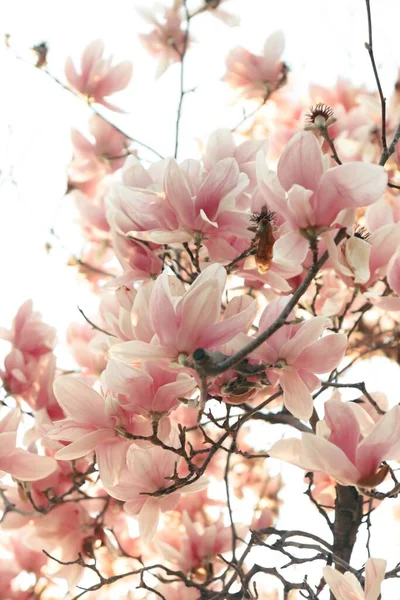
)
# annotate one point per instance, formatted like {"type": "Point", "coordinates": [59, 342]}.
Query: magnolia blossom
{"type": "Point", "coordinates": [90, 425]}
{"type": "Point", "coordinates": [295, 353]}
{"type": "Point", "coordinates": [191, 205]}
{"type": "Point", "coordinates": [147, 471]}
{"type": "Point", "coordinates": [98, 78]}
{"type": "Point", "coordinates": [351, 257]}
{"type": "Point", "coordinates": [28, 333]}
{"type": "Point", "coordinates": [310, 197]}
{"type": "Point", "coordinates": [221, 145]}
{"type": "Point", "coordinates": [345, 586]}
{"type": "Point", "coordinates": [21, 464]}
{"type": "Point", "coordinates": [257, 76]}
{"type": "Point", "coordinates": [96, 156]}
{"type": "Point", "coordinates": [201, 544]}
{"type": "Point", "coordinates": [349, 447]}
{"type": "Point", "coordinates": [167, 41]}
{"type": "Point", "coordinates": [184, 321]}
{"type": "Point", "coordinates": [148, 392]}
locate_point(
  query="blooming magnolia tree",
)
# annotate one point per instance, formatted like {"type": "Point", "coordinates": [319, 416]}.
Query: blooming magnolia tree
{"type": "Point", "coordinates": [236, 293]}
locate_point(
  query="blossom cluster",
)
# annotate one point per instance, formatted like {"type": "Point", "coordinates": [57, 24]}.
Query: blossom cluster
{"type": "Point", "coordinates": [232, 288]}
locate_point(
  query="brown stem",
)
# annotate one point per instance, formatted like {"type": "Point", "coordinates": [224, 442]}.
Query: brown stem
{"type": "Point", "coordinates": [348, 515]}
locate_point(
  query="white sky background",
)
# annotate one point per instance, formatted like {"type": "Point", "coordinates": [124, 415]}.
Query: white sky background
{"type": "Point", "coordinates": [324, 40]}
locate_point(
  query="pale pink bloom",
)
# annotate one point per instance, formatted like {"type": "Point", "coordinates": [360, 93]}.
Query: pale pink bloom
{"type": "Point", "coordinates": [125, 313]}
{"type": "Point", "coordinates": [28, 333]}
{"type": "Point", "coordinates": [184, 321]}
{"type": "Point", "coordinates": [348, 448]}
{"type": "Point", "coordinates": [166, 41]}
{"type": "Point", "coordinates": [191, 205]}
{"type": "Point", "coordinates": [221, 145]}
{"type": "Point", "coordinates": [332, 297]}
{"type": "Point", "coordinates": [295, 353]}
{"type": "Point", "coordinates": [308, 196]}
{"type": "Point", "coordinates": [147, 471]}
{"type": "Point", "coordinates": [19, 373]}
{"type": "Point", "coordinates": [98, 78]}
{"type": "Point", "coordinates": [345, 586]}
{"type": "Point", "coordinates": [95, 157]}
{"type": "Point", "coordinates": [350, 258]}
{"type": "Point", "coordinates": [21, 464]}
{"type": "Point", "coordinates": [61, 533]}
{"type": "Point", "coordinates": [79, 337]}
{"type": "Point", "coordinates": [344, 94]}
{"type": "Point", "coordinates": [90, 425]}
{"type": "Point", "coordinates": [149, 391]}
{"type": "Point", "coordinates": [201, 544]}
{"type": "Point", "coordinates": [257, 75]}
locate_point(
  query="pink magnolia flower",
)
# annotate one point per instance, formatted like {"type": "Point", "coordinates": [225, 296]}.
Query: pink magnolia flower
{"type": "Point", "coordinates": [147, 471]}
{"type": "Point", "coordinates": [221, 145]}
{"type": "Point", "coordinates": [257, 76]}
{"type": "Point", "coordinates": [191, 205]}
{"type": "Point", "coordinates": [90, 425]}
{"type": "Point", "coordinates": [79, 337]}
{"type": "Point", "coordinates": [98, 78]}
{"type": "Point", "coordinates": [149, 391]}
{"type": "Point", "coordinates": [345, 447]}
{"type": "Point", "coordinates": [201, 544]}
{"type": "Point", "coordinates": [295, 353]}
{"type": "Point", "coordinates": [95, 157]}
{"type": "Point", "coordinates": [308, 196]}
{"type": "Point", "coordinates": [21, 464]}
{"type": "Point", "coordinates": [184, 321]}
{"type": "Point", "coordinates": [167, 40]}
{"type": "Point", "coordinates": [345, 585]}
{"type": "Point", "coordinates": [61, 533]}
{"type": "Point", "coordinates": [350, 258]}
{"type": "Point", "coordinates": [28, 333]}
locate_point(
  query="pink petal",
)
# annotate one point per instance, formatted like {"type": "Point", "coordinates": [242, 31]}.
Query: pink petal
{"type": "Point", "coordinates": [117, 79]}
{"type": "Point", "coordinates": [162, 311]}
{"type": "Point", "coordinates": [375, 569]}
{"type": "Point", "coordinates": [290, 248]}
{"type": "Point", "coordinates": [220, 145]}
{"type": "Point", "coordinates": [80, 401]}
{"type": "Point", "coordinates": [321, 455]}
{"type": "Point", "coordinates": [308, 333]}
{"type": "Point", "coordinates": [111, 460]}
{"type": "Point", "coordinates": [347, 186]}
{"type": "Point", "coordinates": [228, 328]}
{"type": "Point", "coordinates": [296, 395]}
{"type": "Point", "coordinates": [200, 307]}
{"type": "Point", "coordinates": [130, 352]}
{"type": "Point", "coordinates": [148, 519]}
{"type": "Point", "coordinates": [343, 586]}
{"type": "Point", "coordinates": [83, 446]}
{"type": "Point", "coordinates": [344, 427]}
{"type": "Point", "coordinates": [383, 443]}
{"type": "Point", "coordinates": [177, 194]}
{"type": "Point", "coordinates": [169, 393]}
{"type": "Point", "coordinates": [301, 162]}
{"type": "Point", "coordinates": [222, 179]}
{"type": "Point", "coordinates": [323, 355]}
{"type": "Point", "coordinates": [27, 466]}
